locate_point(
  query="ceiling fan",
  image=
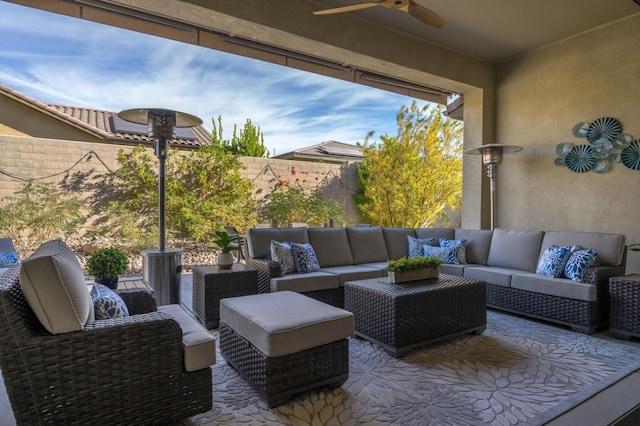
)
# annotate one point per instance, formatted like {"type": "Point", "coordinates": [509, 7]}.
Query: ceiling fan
{"type": "Point", "coordinates": [410, 6]}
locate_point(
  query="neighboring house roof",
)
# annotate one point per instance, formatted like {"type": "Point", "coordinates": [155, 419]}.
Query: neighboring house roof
{"type": "Point", "coordinates": [106, 125]}
{"type": "Point", "coordinates": [329, 151]}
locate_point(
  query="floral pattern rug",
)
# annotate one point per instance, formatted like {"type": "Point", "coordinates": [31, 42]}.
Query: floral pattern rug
{"type": "Point", "coordinates": [517, 372]}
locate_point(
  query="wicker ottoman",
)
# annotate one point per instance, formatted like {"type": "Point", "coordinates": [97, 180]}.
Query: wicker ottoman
{"type": "Point", "coordinates": [285, 343]}
{"type": "Point", "coordinates": [625, 306]}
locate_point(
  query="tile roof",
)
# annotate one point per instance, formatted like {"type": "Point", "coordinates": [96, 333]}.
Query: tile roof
{"type": "Point", "coordinates": [326, 151]}
{"type": "Point", "coordinates": [98, 123]}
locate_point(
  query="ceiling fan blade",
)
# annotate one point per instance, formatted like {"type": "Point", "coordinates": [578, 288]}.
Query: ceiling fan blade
{"type": "Point", "coordinates": [348, 8]}
{"type": "Point", "coordinates": [425, 15]}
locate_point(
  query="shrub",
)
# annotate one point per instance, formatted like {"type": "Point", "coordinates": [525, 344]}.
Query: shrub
{"type": "Point", "coordinates": [411, 263]}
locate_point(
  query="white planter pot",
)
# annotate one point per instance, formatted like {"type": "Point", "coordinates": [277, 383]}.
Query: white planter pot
{"type": "Point", "coordinates": [225, 260]}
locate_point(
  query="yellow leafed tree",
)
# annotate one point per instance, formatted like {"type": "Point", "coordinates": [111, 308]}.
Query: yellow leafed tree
{"type": "Point", "coordinates": [409, 180]}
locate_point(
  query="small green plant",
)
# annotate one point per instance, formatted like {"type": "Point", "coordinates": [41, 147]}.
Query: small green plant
{"type": "Point", "coordinates": [410, 263]}
{"type": "Point", "coordinates": [107, 263]}
{"type": "Point", "coordinates": [634, 247]}
{"type": "Point", "coordinates": [224, 241]}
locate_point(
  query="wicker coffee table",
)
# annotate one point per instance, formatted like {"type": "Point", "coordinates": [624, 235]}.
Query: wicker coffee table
{"type": "Point", "coordinates": [210, 284]}
{"type": "Point", "coordinates": [402, 317]}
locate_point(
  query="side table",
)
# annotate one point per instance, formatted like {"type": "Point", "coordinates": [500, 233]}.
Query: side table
{"type": "Point", "coordinates": [210, 284]}
{"type": "Point", "coordinates": [625, 306]}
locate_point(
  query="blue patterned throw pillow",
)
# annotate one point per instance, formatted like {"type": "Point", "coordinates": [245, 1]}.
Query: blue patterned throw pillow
{"type": "Point", "coordinates": [461, 249]}
{"type": "Point", "coordinates": [415, 245]}
{"type": "Point", "coordinates": [9, 259]}
{"type": "Point", "coordinates": [447, 254]}
{"type": "Point", "coordinates": [305, 258]}
{"type": "Point", "coordinates": [578, 261]}
{"type": "Point", "coordinates": [107, 304]}
{"type": "Point", "coordinates": [281, 253]}
{"type": "Point", "coordinates": [553, 261]}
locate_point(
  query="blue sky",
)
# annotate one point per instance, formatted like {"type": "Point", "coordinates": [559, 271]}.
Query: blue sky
{"type": "Point", "coordinates": [64, 60]}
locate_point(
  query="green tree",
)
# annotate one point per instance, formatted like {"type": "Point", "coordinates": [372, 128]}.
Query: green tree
{"type": "Point", "coordinates": [409, 179]}
{"type": "Point", "coordinates": [249, 142]}
{"type": "Point", "coordinates": [292, 203]}
{"type": "Point", "coordinates": [204, 192]}
{"type": "Point", "coordinates": [38, 212]}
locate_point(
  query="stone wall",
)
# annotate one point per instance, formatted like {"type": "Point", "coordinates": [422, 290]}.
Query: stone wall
{"type": "Point", "coordinates": [27, 158]}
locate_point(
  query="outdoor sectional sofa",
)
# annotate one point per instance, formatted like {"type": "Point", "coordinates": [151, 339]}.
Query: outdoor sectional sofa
{"type": "Point", "coordinates": [505, 259]}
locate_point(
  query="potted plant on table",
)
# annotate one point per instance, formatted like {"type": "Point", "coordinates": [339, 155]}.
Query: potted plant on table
{"type": "Point", "coordinates": [106, 265]}
{"type": "Point", "coordinates": [413, 268]}
{"type": "Point", "coordinates": [224, 242]}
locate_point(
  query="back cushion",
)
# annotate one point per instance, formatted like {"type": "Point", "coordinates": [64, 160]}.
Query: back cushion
{"type": "Point", "coordinates": [367, 245]}
{"type": "Point", "coordinates": [258, 240]}
{"type": "Point", "coordinates": [435, 233]}
{"type": "Point", "coordinates": [396, 241]}
{"type": "Point", "coordinates": [53, 283]}
{"type": "Point", "coordinates": [515, 249]}
{"type": "Point", "coordinates": [478, 243]}
{"type": "Point", "coordinates": [610, 246]}
{"type": "Point", "coordinates": [331, 246]}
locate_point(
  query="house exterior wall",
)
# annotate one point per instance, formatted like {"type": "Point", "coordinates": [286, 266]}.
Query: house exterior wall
{"type": "Point", "coordinates": [33, 158]}
{"type": "Point", "coordinates": [540, 97]}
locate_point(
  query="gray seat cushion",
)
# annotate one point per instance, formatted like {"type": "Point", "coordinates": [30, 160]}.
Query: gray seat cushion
{"type": "Point", "coordinates": [285, 322]}
{"type": "Point", "coordinates": [383, 267]}
{"type": "Point", "coordinates": [515, 249]}
{"type": "Point", "coordinates": [367, 245]}
{"type": "Point", "coordinates": [198, 344]}
{"type": "Point", "coordinates": [560, 287]}
{"type": "Point", "coordinates": [311, 281]}
{"type": "Point", "coordinates": [331, 246]}
{"type": "Point", "coordinates": [491, 275]}
{"type": "Point", "coordinates": [352, 273]}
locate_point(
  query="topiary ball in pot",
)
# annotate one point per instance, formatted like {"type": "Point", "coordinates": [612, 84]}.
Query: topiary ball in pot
{"type": "Point", "coordinates": [105, 265]}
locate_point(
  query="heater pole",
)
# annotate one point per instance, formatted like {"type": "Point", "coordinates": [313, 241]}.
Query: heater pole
{"type": "Point", "coordinates": [161, 152]}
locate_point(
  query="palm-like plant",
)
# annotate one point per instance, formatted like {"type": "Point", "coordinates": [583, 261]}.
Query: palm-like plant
{"type": "Point", "coordinates": [224, 241]}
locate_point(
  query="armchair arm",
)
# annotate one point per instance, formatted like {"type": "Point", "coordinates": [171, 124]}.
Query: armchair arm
{"type": "Point", "coordinates": [267, 269]}
{"type": "Point", "coordinates": [138, 300]}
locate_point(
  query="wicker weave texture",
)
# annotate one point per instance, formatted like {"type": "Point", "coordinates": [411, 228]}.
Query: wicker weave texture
{"type": "Point", "coordinates": [278, 378]}
{"type": "Point", "coordinates": [118, 371]}
{"type": "Point", "coordinates": [402, 316]}
{"type": "Point", "coordinates": [210, 284]}
{"type": "Point", "coordinates": [625, 306]}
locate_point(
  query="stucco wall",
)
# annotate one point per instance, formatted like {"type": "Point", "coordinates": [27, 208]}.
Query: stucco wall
{"type": "Point", "coordinates": [539, 99]}
{"type": "Point", "coordinates": [33, 158]}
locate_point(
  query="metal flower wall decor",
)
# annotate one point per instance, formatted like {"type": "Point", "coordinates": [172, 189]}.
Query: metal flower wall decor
{"type": "Point", "coordinates": [607, 146]}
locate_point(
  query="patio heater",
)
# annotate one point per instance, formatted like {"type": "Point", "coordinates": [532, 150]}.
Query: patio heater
{"type": "Point", "coordinates": [491, 157]}
{"type": "Point", "coordinates": [161, 268]}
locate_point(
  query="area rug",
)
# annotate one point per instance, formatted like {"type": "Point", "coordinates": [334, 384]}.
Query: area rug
{"type": "Point", "coordinates": [517, 372]}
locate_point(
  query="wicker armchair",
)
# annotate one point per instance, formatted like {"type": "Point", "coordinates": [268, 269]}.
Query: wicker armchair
{"type": "Point", "coordinates": [118, 371]}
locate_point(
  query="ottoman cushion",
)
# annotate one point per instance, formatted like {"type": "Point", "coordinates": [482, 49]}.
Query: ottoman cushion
{"type": "Point", "coordinates": [285, 322]}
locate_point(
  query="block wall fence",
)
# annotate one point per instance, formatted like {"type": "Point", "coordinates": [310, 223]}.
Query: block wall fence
{"type": "Point", "coordinates": [26, 158]}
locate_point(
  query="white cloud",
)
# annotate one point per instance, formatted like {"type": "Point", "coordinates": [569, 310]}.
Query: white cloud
{"type": "Point", "coordinates": [57, 59]}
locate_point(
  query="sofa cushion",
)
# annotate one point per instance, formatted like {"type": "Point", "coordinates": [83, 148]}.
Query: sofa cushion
{"type": "Point", "coordinates": [435, 233]}
{"type": "Point", "coordinates": [560, 287]}
{"type": "Point", "coordinates": [578, 261]}
{"type": "Point", "coordinates": [301, 283]}
{"type": "Point", "coordinates": [281, 253]}
{"type": "Point", "coordinates": [258, 240]}
{"type": "Point", "coordinates": [304, 257]}
{"type": "Point", "coordinates": [491, 275]}
{"type": "Point", "coordinates": [198, 344]}
{"type": "Point", "coordinates": [367, 245]}
{"type": "Point", "coordinates": [54, 285]}
{"type": "Point", "coordinates": [457, 270]}
{"type": "Point", "coordinates": [478, 243]}
{"type": "Point", "coordinates": [331, 246]}
{"type": "Point", "coordinates": [383, 267]}
{"type": "Point", "coordinates": [415, 246]}
{"type": "Point", "coordinates": [610, 246]}
{"type": "Point", "coordinates": [107, 303]}
{"type": "Point", "coordinates": [553, 260]}
{"type": "Point", "coordinates": [515, 249]}
{"type": "Point", "coordinates": [396, 241]}
{"type": "Point", "coordinates": [352, 273]}
{"type": "Point", "coordinates": [285, 322]}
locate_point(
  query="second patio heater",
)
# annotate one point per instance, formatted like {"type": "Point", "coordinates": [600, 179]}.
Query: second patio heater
{"type": "Point", "coordinates": [161, 268]}
{"type": "Point", "coordinates": [491, 157]}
